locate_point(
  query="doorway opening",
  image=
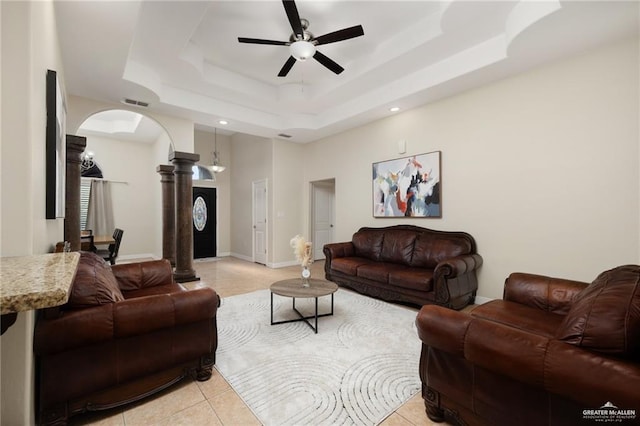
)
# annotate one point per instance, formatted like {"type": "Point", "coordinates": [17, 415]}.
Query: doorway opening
{"type": "Point", "coordinates": [260, 236]}
{"type": "Point", "coordinates": [322, 218]}
{"type": "Point", "coordinates": [204, 222]}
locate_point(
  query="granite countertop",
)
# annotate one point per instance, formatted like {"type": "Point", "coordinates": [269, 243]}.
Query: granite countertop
{"type": "Point", "coordinates": [35, 282]}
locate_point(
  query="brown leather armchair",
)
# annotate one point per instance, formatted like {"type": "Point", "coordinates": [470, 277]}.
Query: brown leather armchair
{"type": "Point", "coordinates": [126, 332]}
{"type": "Point", "coordinates": [552, 352]}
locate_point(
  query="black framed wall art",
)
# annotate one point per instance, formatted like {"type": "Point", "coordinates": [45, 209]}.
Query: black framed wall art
{"type": "Point", "coordinates": [55, 150]}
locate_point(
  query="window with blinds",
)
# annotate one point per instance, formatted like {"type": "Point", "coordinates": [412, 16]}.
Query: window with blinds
{"type": "Point", "coordinates": [85, 191]}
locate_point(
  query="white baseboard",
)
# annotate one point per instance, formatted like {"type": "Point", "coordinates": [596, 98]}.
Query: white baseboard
{"type": "Point", "coordinates": [283, 264]}
{"type": "Point", "coordinates": [268, 265]}
{"type": "Point", "coordinates": [137, 256]}
{"type": "Point", "coordinates": [241, 256]}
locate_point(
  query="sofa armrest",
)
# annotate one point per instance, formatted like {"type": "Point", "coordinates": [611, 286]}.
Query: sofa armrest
{"type": "Point", "coordinates": [336, 250]}
{"type": "Point", "coordinates": [443, 328]}
{"type": "Point", "coordinates": [134, 276]}
{"type": "Point", "coordinates": [592, 378]}
{"type": "Point", "coordinates": [143, 315]}
{"type": "Point", "coordinates": [496, 347]}
{"type": "Point", "coordinates": [459, 265]}
{"type": "Point", "coordinates": [455, 279]}
{"type": "Point", "coordinates": [84, 327]}
{"type": "Point", "coordinates": [546, 293]}
{"type": "Point", "coordinates": [557, 367]}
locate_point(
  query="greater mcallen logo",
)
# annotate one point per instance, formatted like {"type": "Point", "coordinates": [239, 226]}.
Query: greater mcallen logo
{"type": "Point", "coordinates": [609, 413]}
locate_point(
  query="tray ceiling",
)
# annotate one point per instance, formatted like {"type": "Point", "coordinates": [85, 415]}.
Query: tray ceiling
{"type": "Point", "coordinates": [184, 59]}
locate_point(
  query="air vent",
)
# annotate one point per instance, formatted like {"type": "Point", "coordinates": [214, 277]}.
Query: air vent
{"type": "Point", "coordinates": [284, 135]}
{"type": "Point", "coordinates": [135, 103]}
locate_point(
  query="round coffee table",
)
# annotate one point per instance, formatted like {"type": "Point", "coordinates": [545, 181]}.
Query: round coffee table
{"type": "Point", "coordinates": [293, 288]}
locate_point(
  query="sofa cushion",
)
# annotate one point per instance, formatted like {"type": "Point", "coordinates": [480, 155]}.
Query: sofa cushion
{"type": "Point", "coordinates": [94, 283]}
{"type": "Point", "coordinates": [397, 246]}
{"type": "Point", "coordinates": [429, 250]}
{"type": "Point", "coordinates": [605, 316]}
{"type": "Point", "coordinates": [349, 265]}
{"type": "Point", "coordinates": [412, 278]}
{"type": "Point", "coordinates": [378, 271]}
{"type": "Point", "coordinates": [368, 243]}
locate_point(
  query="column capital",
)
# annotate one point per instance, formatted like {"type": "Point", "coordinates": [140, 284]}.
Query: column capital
{"type": "Point", "coordinates": [179, 157]}
{"type": "Point", "coordinates": [76, 143]}
{"type": "Point", "coordinates": [165, 168]}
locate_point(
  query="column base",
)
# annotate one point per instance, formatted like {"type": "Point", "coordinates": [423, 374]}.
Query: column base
{"type": "Point", "coordinates": [185, 276]}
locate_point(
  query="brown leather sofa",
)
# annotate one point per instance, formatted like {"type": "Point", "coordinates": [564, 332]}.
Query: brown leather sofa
{"type": "Point", "coordinates": [126, 332]}
{"type": "Point", "coordinates": [408, 264]}
{"type": "Point", "coordinates": [552, 352]}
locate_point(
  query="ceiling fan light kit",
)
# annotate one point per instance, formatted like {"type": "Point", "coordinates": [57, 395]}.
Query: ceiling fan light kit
{"type": "Point", "coordinates": [302, 50]}
{"type": "Point", "coordinates": [302, 44]}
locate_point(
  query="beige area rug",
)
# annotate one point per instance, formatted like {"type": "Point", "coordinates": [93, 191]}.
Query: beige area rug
{"type": "Point", "coordinates": [360, 367]}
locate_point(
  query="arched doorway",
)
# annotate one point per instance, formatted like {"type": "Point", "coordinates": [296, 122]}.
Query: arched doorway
{"type": "Point", "coordinates": [127, 146]}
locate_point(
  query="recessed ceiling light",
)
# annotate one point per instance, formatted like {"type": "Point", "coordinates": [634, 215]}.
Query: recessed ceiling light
{"type": "Point", "coordinates": [394, 109]}
{"type": "Point", "coordinates": [223, 122]}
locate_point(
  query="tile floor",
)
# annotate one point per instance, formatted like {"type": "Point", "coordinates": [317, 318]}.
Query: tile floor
{"type": "Point", "coordinates": [213, 402]}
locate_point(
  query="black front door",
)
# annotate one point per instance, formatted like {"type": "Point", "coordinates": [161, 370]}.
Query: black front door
{"type": "Point", "coordinates": [204, 222]}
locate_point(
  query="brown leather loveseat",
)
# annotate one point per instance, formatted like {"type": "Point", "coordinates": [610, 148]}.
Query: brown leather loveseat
{"type": "Point", "coordinates": [408, 264]}
{"type": "Point", "coordinates": [126, 332]}
{"type": "Point", "coordinates": [552, 352]}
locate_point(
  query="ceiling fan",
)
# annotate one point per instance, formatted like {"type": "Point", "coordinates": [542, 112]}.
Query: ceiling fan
{"type": "Point", "coordinates": [302, 44]}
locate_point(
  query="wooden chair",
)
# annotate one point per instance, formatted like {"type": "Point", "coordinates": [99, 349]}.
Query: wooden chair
{"type": "Point", "coordinates": [87, 243]}
{"type": "Point", "coordinates": [112, 252]}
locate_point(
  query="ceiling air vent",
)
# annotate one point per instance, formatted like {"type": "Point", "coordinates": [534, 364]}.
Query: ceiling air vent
{"type": "Point", "coordinates": [135, 103]}
{"type": "Point", "coordinates": [284, 135]}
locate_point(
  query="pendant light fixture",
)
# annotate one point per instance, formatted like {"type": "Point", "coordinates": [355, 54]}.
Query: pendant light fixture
{"type": "Point", "coordinates": [216, 167]}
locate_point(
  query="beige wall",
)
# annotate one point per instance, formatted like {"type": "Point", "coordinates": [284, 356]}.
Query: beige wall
{"type": "Point", "coordinates": [541, 168]}
{"type": "Point", "coordinates": [251, 160]}
{"type": "Point", "coordinates": [287, 195]}
{"type": "Point", "coordinates": [131, 169]}
{"type": "Point", "coordinates": [29, 48]}
{"type": "Point", "coordinates": [204, 145]}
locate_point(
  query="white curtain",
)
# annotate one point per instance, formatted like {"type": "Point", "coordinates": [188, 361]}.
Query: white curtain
{"type": "Point", "coordinates": [100, 210]}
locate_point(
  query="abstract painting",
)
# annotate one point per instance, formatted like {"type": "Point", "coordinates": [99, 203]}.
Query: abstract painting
{"type": "Point", "coordinates": [408, 187]}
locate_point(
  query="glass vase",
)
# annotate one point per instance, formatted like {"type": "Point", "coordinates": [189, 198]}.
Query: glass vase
{"type": "Point", "coordinates": [305, 276]}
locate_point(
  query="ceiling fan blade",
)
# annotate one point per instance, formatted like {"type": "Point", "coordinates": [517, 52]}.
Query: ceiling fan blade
{"type": "Point", "coordinates": [327, 62]}
{"type": "Point", "coordinates": [294, 17]}
{"type": "Point", "coordinates": [262, 41]}
{"type": "Point", "coordinates": [287, 67]}
{"type": "Point", "coordinates": [344, 34]}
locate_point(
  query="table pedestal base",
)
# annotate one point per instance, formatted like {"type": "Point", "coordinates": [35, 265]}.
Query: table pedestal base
{"type": "Point", "coordinates": [301, 316]}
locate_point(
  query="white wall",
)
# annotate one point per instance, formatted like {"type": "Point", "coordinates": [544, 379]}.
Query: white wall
{"type": "Point", "coordinates": [204, 145]}
{"type": "Point", "coordinates": [542, 168]}
{"type": "Point", "coordinates": [29, 48]}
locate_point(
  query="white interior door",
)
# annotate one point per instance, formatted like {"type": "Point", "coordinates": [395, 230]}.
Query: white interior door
{"type": "Point", "coordinates": [260, 221]}
{"type": "Point", "coordinates": [323, 216]}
